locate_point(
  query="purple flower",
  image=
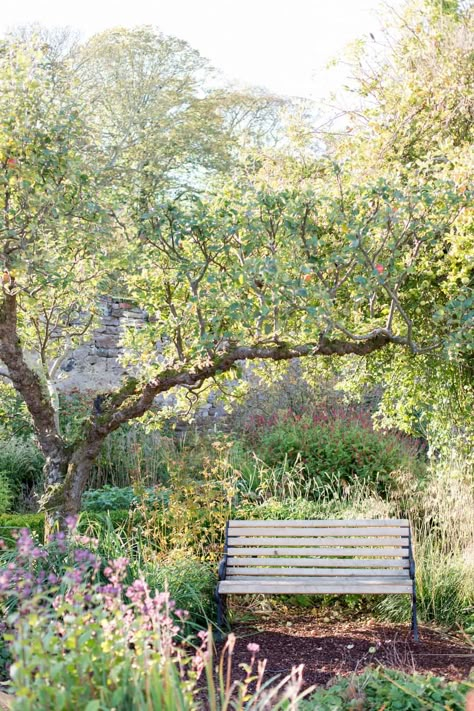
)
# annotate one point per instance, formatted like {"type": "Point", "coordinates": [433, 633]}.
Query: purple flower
{"type": "Point", "coordinates": [137, 591]}
{"type": "Point", "coordinates": [25, 543]}
{"type": "Point", "coordinates": [71, 522]}
{"type": "Point", "coordinates": [116, 570]}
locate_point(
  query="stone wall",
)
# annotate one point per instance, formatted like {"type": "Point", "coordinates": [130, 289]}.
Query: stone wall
{"type": "Point", "coordinates": [95, 366]}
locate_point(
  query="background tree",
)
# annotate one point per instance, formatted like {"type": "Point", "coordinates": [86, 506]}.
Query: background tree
{"type": "Point", "coordinates": [414, 119]}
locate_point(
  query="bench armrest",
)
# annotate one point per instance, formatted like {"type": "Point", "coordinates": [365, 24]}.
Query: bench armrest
{"type": "Point", "coordinates": [223, 563]}
{"type": "Point", "coordinates": [411, 558]}
{"type": "Point", "coordinates": [222, 568]}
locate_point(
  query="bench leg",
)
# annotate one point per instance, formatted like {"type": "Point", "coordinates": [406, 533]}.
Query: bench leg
{"type": "Point", "coordinates": [414, 621]}
{"type": "Point", "coordinates": [221, 612]}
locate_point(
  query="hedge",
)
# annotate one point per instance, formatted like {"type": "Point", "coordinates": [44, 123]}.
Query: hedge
{"type": "Point", "coordinates": [9, 523]}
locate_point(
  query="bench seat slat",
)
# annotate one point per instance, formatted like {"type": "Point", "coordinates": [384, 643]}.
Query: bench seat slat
{"type": "Point", "coordinates": [332, 523]}
{"type": "Point", "coordinates": [285, 551]}
{"type": "Point", "coordinates": [356, 542]}
{"type": "Point", "coordinates": [321, 534]}
{"type": "Point", "coordinates": [322, 585]}
{"type": "Point", "coordinates": [330, 579]}
{"type": "Point", "coordinates": [236, 572]}
{"type": "Point", "coordinates": [319, 562]}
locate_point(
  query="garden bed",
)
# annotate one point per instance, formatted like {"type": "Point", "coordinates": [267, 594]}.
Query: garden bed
{"type": "Point", "coordinates": [340, 648]}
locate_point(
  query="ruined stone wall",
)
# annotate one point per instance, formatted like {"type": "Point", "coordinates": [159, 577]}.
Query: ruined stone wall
{"type": "Point", "coordinates": [95, 366]}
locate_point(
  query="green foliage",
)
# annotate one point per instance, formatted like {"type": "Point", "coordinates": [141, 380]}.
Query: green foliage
{"type": "Point", "coordinates": [15, 420]}
{"type": "Point", "coordinates": [47, 188]}
{"type": "Point", "coordinates": [194, 519]}
{"type": "Point", "coordinates": [340, 452]}
{"type": "Point", "coordinates": [5, 493]}
{"type": "Point", "coordinates": [133, 456]}
{"type": "Point", "coordinates": [260, 251]}
{"type": "Point", "coordinates": [389, 689]}
{"type": "Point", "coordinates": [11, 523]}
{"type": "Point", "coordinates": [442, 516]}
{"type": "Point", "coordinates": [77, 642]}
{"type": "Point", "coordinates": [21, 466]}
{"type": "Point", "coordinates": [111, 498]}
{"type": "Point", "coordinates": [190, 583]}
{"type": "Point", "coordinates": [34, 522]}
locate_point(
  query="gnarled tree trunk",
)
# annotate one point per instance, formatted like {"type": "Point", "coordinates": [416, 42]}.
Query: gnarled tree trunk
{"type": "Point", "coordinates": [65, 483]}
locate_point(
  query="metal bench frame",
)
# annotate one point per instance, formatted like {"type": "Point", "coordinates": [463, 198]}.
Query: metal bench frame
{"type": "Point", "coordinates": [258, 556]}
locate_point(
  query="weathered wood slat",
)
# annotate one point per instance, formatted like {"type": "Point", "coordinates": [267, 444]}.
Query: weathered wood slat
{"type": "Point", "coordinates": [328, 586]}
{"type": "Point", "coordinates": [330, 579]}
{"type": "Point", "coordinates": [332, 523]}
{"type": "Point", "coordinates": [306, 551]}
{"type": "Point", "coordinates": [233, 561]}
{"type": "Point", "coordinates": [316, 541]}
{"type": "Point", "coordinates": [237, 572]}
{"type": "Point", "coordinates": [344, 533]}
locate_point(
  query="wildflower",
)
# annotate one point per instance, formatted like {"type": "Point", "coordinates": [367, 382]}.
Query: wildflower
{"type": "Point", "coordinates": [71, 522]}
{"type": "Point", "coordinates": [25, 543]}
{"type": "Point", "coordinates": [116, 570]}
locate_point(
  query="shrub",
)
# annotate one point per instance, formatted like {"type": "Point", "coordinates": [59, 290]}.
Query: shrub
{"type": "Point", "coordinates": [389, 689]}
{"type": "Point", "coordinates": [112, 498]}
{"type": "Point", "coordinates": [343, 449]}
{"type": "Point", "coordinates": [193, 520]}
{"type": "Point", "coordinates": [21, 464]}
{"type": "Point", "coordinates": [10, 523]}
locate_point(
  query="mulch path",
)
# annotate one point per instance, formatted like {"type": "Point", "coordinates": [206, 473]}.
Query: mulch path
{"type": "Point", "coordinates": [342, 647]}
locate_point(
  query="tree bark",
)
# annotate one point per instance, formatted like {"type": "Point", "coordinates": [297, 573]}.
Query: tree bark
{"type": "Point", "coordinates": [64, 486]}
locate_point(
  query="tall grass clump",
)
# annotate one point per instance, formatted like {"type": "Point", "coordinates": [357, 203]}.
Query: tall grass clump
{"type": "Point", "coordinates": [442, 518]}
{"type": "Point", "coordinates": [132, 456]}
{"type": "Point", "coordinates": [21, 467]}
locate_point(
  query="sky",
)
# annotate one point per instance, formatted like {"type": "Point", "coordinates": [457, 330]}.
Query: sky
{"type": "Point", "coordinates": [281, 45]}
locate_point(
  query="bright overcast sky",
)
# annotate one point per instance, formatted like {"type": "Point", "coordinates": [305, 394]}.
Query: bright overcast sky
{"type": "Point", "coordinates": [283, 45]}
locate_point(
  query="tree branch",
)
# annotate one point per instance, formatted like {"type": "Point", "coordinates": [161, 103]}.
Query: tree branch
{"type": "Point", "coordinates": [222, 363]}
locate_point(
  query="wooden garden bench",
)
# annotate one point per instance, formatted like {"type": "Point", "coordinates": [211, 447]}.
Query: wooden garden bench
{"type": "Point", "coordinates": [317, 557]}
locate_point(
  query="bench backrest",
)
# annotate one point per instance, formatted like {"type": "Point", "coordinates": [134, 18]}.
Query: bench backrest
{"type": "Point", "coordinates": [360, 547]}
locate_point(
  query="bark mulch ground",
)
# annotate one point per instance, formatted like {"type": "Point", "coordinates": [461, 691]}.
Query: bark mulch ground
{"type": "Point", "coordinates": [329, 648]}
